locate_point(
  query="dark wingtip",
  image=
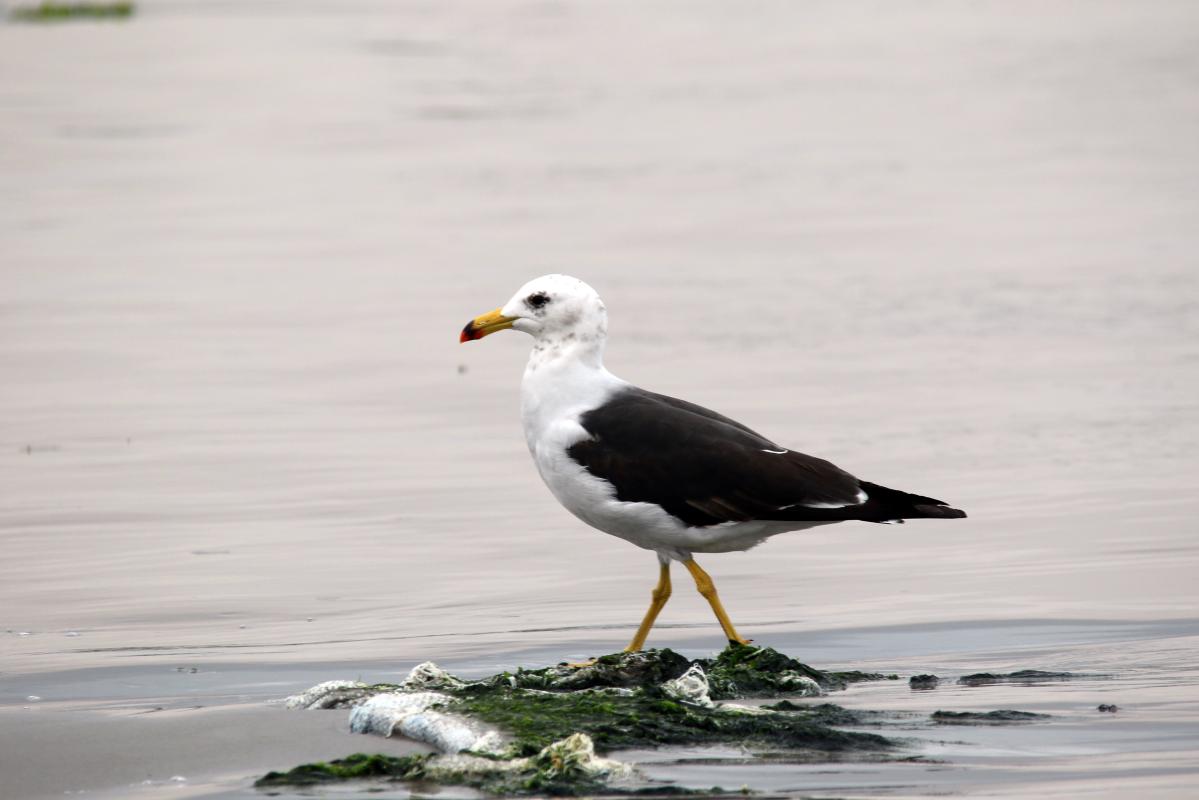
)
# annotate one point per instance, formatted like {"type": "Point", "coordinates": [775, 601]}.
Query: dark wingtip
{"type": "Point", "coordinates": [940, 512]}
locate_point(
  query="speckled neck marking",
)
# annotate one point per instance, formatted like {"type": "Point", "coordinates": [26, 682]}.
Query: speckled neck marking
{"type": "Point", "coordinates": [584, 346]}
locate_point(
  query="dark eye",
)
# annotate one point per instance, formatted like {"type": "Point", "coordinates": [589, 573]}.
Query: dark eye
{"type": "Point", "coordinates": [537, 299]}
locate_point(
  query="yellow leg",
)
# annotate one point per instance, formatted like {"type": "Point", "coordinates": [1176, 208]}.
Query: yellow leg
{"type": "Point", "coordinates": [659, 597]}
{"type": "Point", "coordinates": [703, 582]}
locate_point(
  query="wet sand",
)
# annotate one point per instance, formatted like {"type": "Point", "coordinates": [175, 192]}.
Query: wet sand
{"type": "Point", "coordinates": [949, 247]}
{"type": "Point", "coordinates": [183, 752]}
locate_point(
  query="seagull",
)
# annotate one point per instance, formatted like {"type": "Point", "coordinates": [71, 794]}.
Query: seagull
{"type": "Point", "coordinates": [662, 473]}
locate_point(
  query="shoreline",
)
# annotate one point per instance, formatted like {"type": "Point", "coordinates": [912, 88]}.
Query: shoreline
{"type": "Point", "coordinates": [115, 727]}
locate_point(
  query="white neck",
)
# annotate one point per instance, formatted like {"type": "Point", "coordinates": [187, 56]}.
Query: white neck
{"type": "Point", "coordinates": [555, 349]}
{"type": "Point", "coordinates": [564, 377]}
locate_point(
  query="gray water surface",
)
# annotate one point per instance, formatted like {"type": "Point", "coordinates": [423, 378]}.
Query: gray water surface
{"type": "Point", "coordinates": [951, 247]}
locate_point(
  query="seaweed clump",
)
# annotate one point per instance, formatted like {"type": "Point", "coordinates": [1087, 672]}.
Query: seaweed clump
{"type": "Point", "coordinates": [1020, 676]}
{"type": "Point", "coordinates": [648, 717]}
{"type": "Point", "coordinates": [357, 766]}
{"type": "Point", "coordinates": [615, 671]}
{"type": "Point", "coordinates": [48, 11]}
{"type": "Point", "coordinates": [738, 671]}
{"type": "Point", "coordinates": [569, 767]}
{"type": "Point", "coordinates": [537, 731]}
{"type": "Point", "coordinates": [1004, 716]}
{"type": "Point", "coordinates": [744, 671]}
{"type": "Point", "coordinates": [627, 700]}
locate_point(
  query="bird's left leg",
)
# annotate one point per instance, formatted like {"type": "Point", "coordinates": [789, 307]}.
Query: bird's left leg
{"type": "Point", "coordinates": [703, 582]}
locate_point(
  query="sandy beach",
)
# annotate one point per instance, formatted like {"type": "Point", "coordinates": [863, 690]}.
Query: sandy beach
{"type": "Point", "coordinates": [950, 247]}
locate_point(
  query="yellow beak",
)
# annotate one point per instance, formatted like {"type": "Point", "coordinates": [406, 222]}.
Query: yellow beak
{"type": "Point", "coordinates": [487, 323]}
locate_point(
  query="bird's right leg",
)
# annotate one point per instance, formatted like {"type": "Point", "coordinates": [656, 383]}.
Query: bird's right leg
{"type": "Point", "coordinates": [659, 596]}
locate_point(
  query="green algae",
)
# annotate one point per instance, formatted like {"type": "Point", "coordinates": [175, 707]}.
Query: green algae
{"type": "Point", "coordinates": [745, 671]}
{"type": "Point", "coordinates": [620, 702]}
{"type": "Point", "coordinates": [357, 766]}
{"type": "Point", "coordinates": [649, 718]}
{"type": "Point", "coordinates": [551, 782]}
{"type": "Point", "coordinates": [545, 775]}
{"type": "Point", "coordinates": [59, 12]}
{"type": "Point", "coordinates": [552, 718]}
{"type": "Point", "coordinates": [563, 769]}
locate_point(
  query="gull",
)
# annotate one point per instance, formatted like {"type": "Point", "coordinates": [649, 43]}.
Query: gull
{"type": "Point", "coordinates": [662, 473]}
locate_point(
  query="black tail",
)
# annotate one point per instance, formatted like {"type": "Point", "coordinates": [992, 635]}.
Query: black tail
{"type": "Point", "coordinates": [882, 505]}
{"type": "Point", "coordinates": [890, 505]}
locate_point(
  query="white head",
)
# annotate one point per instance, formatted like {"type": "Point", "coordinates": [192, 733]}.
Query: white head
{"type": "Point", "coordinates": [559, 311]}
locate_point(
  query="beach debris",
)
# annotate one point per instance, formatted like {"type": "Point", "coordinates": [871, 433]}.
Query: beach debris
{"type": "Point", "coordinates": [1003, 716]}
{"type": "Point", "coordinates": [1108, 708]}
{"type": "Point", "coordinates": [857, 676]}
{"type": "Point", "coordinates": [330, 694]}
{"type": "Point", "coordinates": [690, 687]}
{"type": "Point", "coordinates": [537, 731]}
{"type": "Point", "coordinates": [566, 767]}
{"type": "Point", "coordinates": [430, 676]}
{"type": "Point", "coordinates": [923, 682]}
{"type": "Point", "coordinates": [412, 714]}
{"type": "Point", "coordinates": [1021, 676]}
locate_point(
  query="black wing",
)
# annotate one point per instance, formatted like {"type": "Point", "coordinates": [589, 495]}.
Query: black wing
{"type": "Point", "coordinates": [705, 468]}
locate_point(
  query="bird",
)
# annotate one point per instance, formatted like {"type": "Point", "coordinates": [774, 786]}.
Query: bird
{"type": "Point", "coordinates": [662, 473]}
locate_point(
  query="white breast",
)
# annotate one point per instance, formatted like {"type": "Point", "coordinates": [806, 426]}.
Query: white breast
{"type": "Point", "coordinates": [555, 393]}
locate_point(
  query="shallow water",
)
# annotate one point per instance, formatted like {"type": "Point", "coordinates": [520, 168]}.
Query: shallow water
{"type": "Point", "coordinates": [951, 248]}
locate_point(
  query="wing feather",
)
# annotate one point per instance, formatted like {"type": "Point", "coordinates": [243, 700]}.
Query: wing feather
{"type": "Point", "coordinates": [704, 468]}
